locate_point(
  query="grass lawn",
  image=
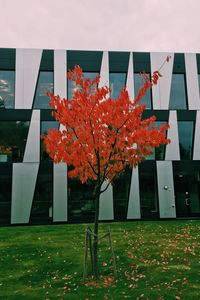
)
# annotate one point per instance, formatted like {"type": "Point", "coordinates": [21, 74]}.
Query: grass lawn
{"type": "Point", "coordinates": [155, 260]}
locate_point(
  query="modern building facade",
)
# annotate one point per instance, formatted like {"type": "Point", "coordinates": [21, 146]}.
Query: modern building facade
{"type": "Point", "coordinates": [33, 190]}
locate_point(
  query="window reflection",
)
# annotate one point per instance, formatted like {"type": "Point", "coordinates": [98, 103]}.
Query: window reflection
{"type": "Point", "coordinates": [117, 83]}
{"type": "Point", "coordinates": [7, 87]}
{"type": "Point", "coordinates": [178, 93]}
{"type": "Point", "coordinates": [45, 126]}
{"type": "Point", "coordinates": [45, 84]}
{"type": "Point", "coordinates": [185, 131]}
{"type": "Point", "coordinates": [13, 136]}
{"type": "Point", "coordinates": [71, 84]}
{"type": "Point", "coordinates": [81, 200]}
{"type": "Point", "coordinates": [146, 99]}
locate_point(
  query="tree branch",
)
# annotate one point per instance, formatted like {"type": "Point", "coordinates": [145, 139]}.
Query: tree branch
{"type": "Point", "coordinates": [101, 192]}
{"type": "Point", "coordinates": [84, 151]}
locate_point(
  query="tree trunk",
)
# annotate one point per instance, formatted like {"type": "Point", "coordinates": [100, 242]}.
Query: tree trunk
{"type": "Point", "coordinates": [96, 227]}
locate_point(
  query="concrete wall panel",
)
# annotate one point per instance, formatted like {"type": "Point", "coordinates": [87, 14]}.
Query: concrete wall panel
{"type": "Point", "coordinates": [106, 211]}
{"type": "Point", "coordinates": [161, 91]}
{"type": "Point", "coordinates": [172, 149]}
{"type": "Point", "coordinates": [27, 70]}
{"type": "Point", "coordinates": [134, 197]}
{"type": "Point", "coordinates": [32, 150]}
{"type": "Point", "coordinates": [23, 187]}
{"type": "Point", "coordinates": [166, 189]}
{"type": "Point", "coordinates": [60, 193]}
{"type": "Point", "coordinates": [192, 81]}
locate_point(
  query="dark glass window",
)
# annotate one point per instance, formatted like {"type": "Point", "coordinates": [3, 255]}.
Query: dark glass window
{"type": "Point", "coordinates": [13, 136]}
{"type": "Point", "coordinates": [142, 62]}
{"type": "Point", "coordinates": [121, 189]}
{"type": "Point", "coordinates": [45, 126]}
{"type": "Point", "coordinates": [118, 61]}
{"type": "Point", "coordinates": [43, 197]}
{"type": "Point", "coordinates": [81, 201]}
{"type": "Point", "coordinates": [87, 60]}
{"type": "Point", "coordinates": [117, 83]}
{"type": "Point", "coordinates": [178, 92]}
{"type": "Point", "coordinates": [5, 192]}
{"type": "Point", "coordinates": [152, 156]}
{"type": "Point", "coordinates": [7, 89]}
{"type": "Point", "coordinates": [148, 190]}
{"type": "Point", "coordinates": [199, 83]}
{"type": "Point", "coordinates": [146, 99]}
{"type": "Point", "coordinates": [70, 88]}
{"type": "Point", "coordinates": [45, 84]}
{"type": "Point", "coordinates": [71, 85]}
{"type": "Point", "coordinates": [185, 131]}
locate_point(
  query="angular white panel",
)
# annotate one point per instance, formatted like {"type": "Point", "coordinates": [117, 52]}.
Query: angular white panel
{"type": "Point", "coordinates": [134, 197]}
{"type": "Point", "coordinates": [32, 150]}
{"type": "Point", "coordinates": [60, 196]}
{"type": "Point", "coordinates": [161, 92]}
{"type": "Point", "coordinates": [166, 189]}
{"type": "Point", "coordinates": [172, 149]}
{"type": "Point", "coordinates": [19, 79]}
{"type": "Point", "coordinates": [104, 72]}
{"type": "Point", "coordinates": [60, 73]}
{"type": "Point", "coordinates": [196, 151]}
{"type": "Point", "coordinates": [27, 69]}
{"type": "Point", "coordinates": [106, 199]}
{"type": "Point", "coordinates": [106, 204]}
{"type": "Point", "coordinates": [192, 81]}
{"type": "Point", "coordinates": [23, 187]}
{"type": "Point", "coordinates": [130, 78]}
{"type": "Point", "coordinates": [60, 193]}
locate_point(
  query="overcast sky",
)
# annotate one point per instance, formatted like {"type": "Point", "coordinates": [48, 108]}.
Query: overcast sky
{"type": "Point", "coordinates": [133, 25]}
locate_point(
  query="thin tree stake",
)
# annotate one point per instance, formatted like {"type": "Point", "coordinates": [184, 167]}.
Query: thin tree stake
{"type": "Point", "coordinates": [88, 243]}
{"type": "Point", "coordinates": [112, 251]}
{"type": "Point", "coordinates": [85, 255]}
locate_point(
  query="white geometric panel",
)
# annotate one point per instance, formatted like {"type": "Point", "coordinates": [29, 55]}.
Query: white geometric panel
{"type": "Point", "coordinates": [106, 199]}
{"type": "Point", "coordinates": [60, 196]}
{"type": "Point", "coordinates": [60, 73]}
{"type": "Point", "coordinates": [161, 91]}
{"type": "Point", "coordinates": [32, 150]}
{"type": "Point", "coordinates": [27, 69]}
{"type": "Point", "coordinates": [192, 81]}
{"type": "Point", "coordinates": [130, 78]}
{"type": "Point", "coordinates": [166, 189]}
{"type": "Point", "coordinates": [60, 193]}
{"type": "Point", "coordinates": [104, 72]}
{"type": "Point", "coordinates": [134, 197]}
{"type": "Point", "coordinates": [196, 153]}
{"type": "Point", "coordinates": [23, 187]}
{"type": "Point", "coordinates": [106, 211]}
{"type": "Point", "coordinates": [172, 149]}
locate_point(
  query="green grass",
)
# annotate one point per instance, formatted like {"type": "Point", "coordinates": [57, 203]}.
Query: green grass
{"type": "Point", "coordinates": [155, 260]}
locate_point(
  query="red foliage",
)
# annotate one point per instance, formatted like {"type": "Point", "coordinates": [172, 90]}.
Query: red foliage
{"type": "Point", "coordinates": [101, 136]}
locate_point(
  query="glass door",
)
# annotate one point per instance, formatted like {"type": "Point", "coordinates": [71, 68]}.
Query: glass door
{"type": "Point", "coordinates": [187, 191]}
{"type": "Point", "coordinates": [148, 190]}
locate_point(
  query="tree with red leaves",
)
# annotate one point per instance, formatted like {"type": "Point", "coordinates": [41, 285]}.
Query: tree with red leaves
{"type": "Point", "coordinates": [100, 136]}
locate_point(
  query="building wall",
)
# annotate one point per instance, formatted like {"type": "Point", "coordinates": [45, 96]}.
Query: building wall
{"type": "Point", "coordinates": [34, 190]}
